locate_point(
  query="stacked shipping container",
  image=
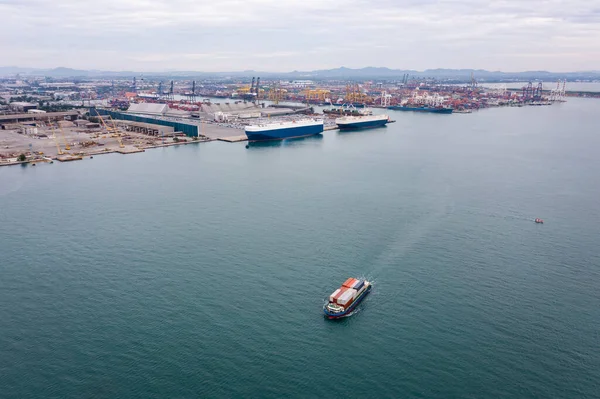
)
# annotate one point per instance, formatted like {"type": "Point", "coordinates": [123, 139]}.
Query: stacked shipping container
{"type": "Point", "coordinates": [354, 283]}
{"type": "Point", "coordinates": [344, 295]}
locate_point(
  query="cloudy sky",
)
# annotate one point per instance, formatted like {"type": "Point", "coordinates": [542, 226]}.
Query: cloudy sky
{"type": "Point", "coordinates": [285, 35]}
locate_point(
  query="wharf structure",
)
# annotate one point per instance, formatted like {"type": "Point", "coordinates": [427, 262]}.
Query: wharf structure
{"type": "Point", "coordinates": [212, 120]}
{"type": "Point", "coordinates": [189, 128]}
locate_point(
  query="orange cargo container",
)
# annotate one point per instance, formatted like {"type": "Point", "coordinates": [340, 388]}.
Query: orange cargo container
{"type": "Point", "coordinates": [350, 282]}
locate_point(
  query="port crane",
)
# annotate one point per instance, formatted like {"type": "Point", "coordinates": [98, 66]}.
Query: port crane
{"type": "Point", "coordinates": [55, 134]}
{"type": "Point", "coordinates": [354, 94]}
{"type": "Point", "coordinates": [67, 147]}
{"type": "Point", "coordinates": [277, 94]}
{"type": "Point", "coordinates": [385, 98]}
{"type": "Point", "coordinates": [257, 88]}
{"type": "Point", "coordinates": [116, 132]}
{"type": "Point", "coordinates": [113, 130]}
{"type": "Point", "coordinates": [316, 94]}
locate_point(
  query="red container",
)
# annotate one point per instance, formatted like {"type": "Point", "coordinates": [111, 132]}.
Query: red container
{"type": "Point", "coordinates": [349, 283]}
{"type": "Point", "coordinates": [339, 294]}
{"type": "Point", "coordinates": [332, 296]}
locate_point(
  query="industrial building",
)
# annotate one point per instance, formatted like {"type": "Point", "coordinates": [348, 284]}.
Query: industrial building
{"type": "Point", "coordinates": [20, 106]}
{"type": "Point", "coordinates": [191, 129]}
{"type": "Point", "coordinates": [31, 117]}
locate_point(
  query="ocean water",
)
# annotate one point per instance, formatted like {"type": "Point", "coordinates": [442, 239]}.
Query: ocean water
{"type": "Point", "coordinates": [201, 270]}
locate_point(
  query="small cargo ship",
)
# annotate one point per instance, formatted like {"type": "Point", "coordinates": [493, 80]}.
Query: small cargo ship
{"type": "Point", "coordinates": [424, 108]}
{"type": "Point", "coordinates": [284, 130]}
{"type": "Point", "coordinates": [345, 299]}
{"type": "Point", "coordinates": [348, 110]}
{"type": "Point", "coordinates": [361, 122]}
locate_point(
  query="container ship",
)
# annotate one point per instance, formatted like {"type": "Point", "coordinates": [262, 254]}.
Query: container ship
{"type": "Point", "coordinates": [345, 299]}
{"type": "Point", "coordinates": [361, 122]}
{"type": "Point", "coordinates": [348, 111]}
{"type": "Point", "coordinates": [424, 108]}
{"type": "Point", "coordinates": [284, 130]}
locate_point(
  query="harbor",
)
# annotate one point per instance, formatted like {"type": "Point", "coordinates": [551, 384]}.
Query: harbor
{"type": "Point", "coordinates": [139, 117]}
{"type": "Point", "coordinates": [299, 199]}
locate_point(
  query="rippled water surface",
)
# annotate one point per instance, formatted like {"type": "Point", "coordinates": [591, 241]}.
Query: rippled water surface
{"type": "Point", "coordinates": [200, 271]}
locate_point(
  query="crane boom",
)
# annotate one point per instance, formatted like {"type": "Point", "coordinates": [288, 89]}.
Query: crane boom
{"type": "Point", "coordinates": [116, 131]}
{"type": "Point", "coordinates": [60, 152]}
{"type": "Point", "coordinates": [67, 147]}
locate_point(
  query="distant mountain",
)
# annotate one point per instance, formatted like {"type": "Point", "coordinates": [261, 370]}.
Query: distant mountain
{"type": "Point", "coordinates": [368, 72]}
{"type": "Point", "coordinates": [440, 73]}
{"type": "Point", "coordinates": [341, 73]}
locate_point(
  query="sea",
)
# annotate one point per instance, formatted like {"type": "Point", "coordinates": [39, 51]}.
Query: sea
{"type": "Point", "coordinates": [200, 271]}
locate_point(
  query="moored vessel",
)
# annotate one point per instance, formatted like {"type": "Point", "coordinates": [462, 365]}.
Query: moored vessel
{"type": "Point", "coordinates": [284, 130]}
{"type": "Point", "coordinates": [424, 108]}
{"type": "Point", "coordinates": [345, 299]}
{"type": "Point", "coordinates": [361, 122]}
{"type": "Point", "coordinates": [348, 110]}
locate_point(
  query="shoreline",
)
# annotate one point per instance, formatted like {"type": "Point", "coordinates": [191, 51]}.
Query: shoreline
{"type": "Point", "coordinates": [82, 156]}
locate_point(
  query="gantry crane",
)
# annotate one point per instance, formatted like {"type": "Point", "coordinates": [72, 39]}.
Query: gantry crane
{"type": "Point", "coordinates": [315, 94]}
{"type": "Point", "coordinates": [277, 94]}
{"type": "Point", "coordinates": [354, 94]}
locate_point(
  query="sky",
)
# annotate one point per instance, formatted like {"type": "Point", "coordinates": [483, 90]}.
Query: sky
{"type": "Point", "coordinates": [304, 35]}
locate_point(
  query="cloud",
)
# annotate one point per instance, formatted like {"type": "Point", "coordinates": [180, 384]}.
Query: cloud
{"type": "Point", "coordinates": [151, 35]}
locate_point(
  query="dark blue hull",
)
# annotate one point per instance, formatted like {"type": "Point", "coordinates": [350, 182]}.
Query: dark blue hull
{"type": "Point", "coordinates": [350, 308]}
{"type": "Point", "coordinates": [285, 133]}
{"type": "Point", "coordinates": [422, 109]}
{"type": "Point", "coordinates": [362, 125]}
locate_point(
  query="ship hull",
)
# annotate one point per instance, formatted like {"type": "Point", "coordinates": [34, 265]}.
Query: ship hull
{"type": "Point", "coordinates": [422, 109]}
{"type": "Point", "coordinates": [362, 125]}
{"type": "Point", "coordinates": [350, 308]}
{"type": "Point", "coordinates": [284, 133]}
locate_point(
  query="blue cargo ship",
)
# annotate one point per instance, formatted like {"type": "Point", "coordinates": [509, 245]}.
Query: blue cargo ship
{"type": "Point", "coordinates": [284, 130]}
{"type": "Point", "coordinates": [346, 298]}
{"type": "Point", "coordinates": [435, 110]}
{"type": "Point", "coordinates": [361, 122]}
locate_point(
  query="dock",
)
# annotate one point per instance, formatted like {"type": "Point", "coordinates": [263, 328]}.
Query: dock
{"type": "Point", "coordinates": [129, 150]}
{"type": "Point", "coordinates": [69, 158]}
{"type": "Point", "coordinates": [233, 139]}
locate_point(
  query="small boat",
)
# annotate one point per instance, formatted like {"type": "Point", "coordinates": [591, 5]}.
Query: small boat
{"type": "Point", "coordinates": [538, 220]}
{"type": "Point", "coordinates": [345, 299]}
